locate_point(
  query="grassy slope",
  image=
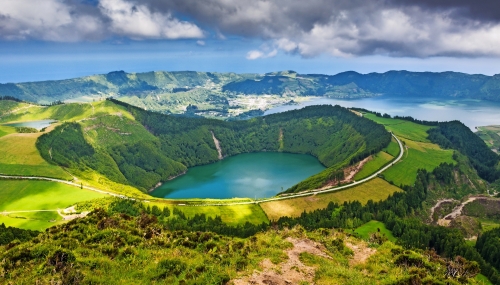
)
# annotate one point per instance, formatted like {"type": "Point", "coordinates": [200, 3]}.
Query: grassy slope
{"type": "Point", "coordinates": [490, 135]}
{"type": "Point", "coordinates": [25, 195]}
{"type": "Point", "coordinates": [376, 190]}
{"type": "Point", "coordinates": [19, 156]}
{"type": "Point", "coordinates": [232, 215]}
{"type": "Point", "coordinates": [17, 195]}
{"type": "Point", "coordinates": [372, 227]}
{"type": "Point", "coordinates": [65, 112]}
{"type": "Point", "coordinates": [419, 153]}
{"type": "Point", "coordinates": [5, 130]}
{"type": "Point", "coordinates": [378, 161]}
{"type": "Point", "coordinates": [404, 129]}
{"type": "Point", "coordinates": [392, 148]}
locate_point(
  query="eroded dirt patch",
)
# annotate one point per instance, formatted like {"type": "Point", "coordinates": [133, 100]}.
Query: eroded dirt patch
{"type": "Point", "coordinates": [292, 271]}
{"type": "Point", "coordinates": [361, 253]}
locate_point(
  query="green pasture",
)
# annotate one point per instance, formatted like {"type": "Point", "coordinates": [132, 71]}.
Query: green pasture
{"type": "Point", "coordinates": [19, 156]}
{"type": "Point", "coordinates": [392, 148]}
{"type": "Point", "coordinates": [418, 155]}
{"type": "Point", "coordinates": [371, 227]}
{"type": "Point", "coordinates": [32, 221]}
{"type": "Point", "coordinates": [376, 189]}
{"type": "Point", "coordinates": [378, 161]}
{"type": "Point", "coordinates": [6, 130]}
{"type": "Point", "coordinates": [23, 195]}
{"type": "Point", "coordinates": [402, 129]}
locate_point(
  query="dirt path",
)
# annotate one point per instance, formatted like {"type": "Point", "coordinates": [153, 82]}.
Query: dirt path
{"type": "Point", "coordinates": [457, 211]}
{"type": "Point", "coordinates": [69, 214]}
{"type": "Point", "coordinates": [217, 146]}
{"type": "Point", "coordinates": [292, 271]}
{"type": "Point", "coordinates": [439, 202]}
{"type": "Point", "coordinates": [355, 169]}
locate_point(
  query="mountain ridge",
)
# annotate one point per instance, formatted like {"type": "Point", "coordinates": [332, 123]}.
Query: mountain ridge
{"type": "Point", "coordinates": [348, 84]}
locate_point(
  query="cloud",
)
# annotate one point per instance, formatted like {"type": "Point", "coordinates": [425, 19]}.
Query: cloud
{"type": "Point", "coordinates": [409, 28]}
{"type": "Point", "coordinates": [48, 20]}
{"type": "Point", "coordinates": [415, 28]}
{"type": "Point", "coordinates": [138, 22]}
{"type": "Point", "coordinates": [200, 43]}
{"type": "Point", "coordinates": [256, 54]}
{"type": "Point", "coordinates": [81, 20]}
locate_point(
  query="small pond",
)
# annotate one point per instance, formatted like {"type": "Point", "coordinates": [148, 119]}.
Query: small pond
{"type": "Point", "coordinates": [32, 124]}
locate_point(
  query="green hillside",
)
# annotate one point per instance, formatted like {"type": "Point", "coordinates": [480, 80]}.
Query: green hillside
{"type": "Point", "coordinates": [154, 147]}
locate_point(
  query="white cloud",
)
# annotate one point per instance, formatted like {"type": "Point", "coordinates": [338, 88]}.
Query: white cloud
{"type": "Point", "coordinates": [200, 43]}
{"type": "Point", "coordinates": [138, 22]}
{"type": "Point", "coordinates": [49, 20]}
{"type": "Point", "coordinates": [256, 54]}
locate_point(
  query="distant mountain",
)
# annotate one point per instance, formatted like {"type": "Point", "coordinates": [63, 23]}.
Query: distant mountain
{"type": "Point", "coordinates": [343, 85]}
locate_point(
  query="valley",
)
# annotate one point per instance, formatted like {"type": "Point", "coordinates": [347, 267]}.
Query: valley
{"type": "Point", "coordinates": [108, 155]}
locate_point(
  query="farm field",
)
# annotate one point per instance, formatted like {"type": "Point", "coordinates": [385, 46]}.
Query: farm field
{"type": "Point", "coordinates": [19, 156]}
{"type": "Point", "coordinates": [24, 195]}
{"type": "Point", "coordinates": [392, 148]}
{"type": "Point", "coordinates": [32, 221]}
{"type": "Point", "coordinates": [5, 130]}
{"type": "Point", "coordinates": [378, 161]}
{"type": "Point", "coordinates": [371, 227]}
{"type": "Point", "coordinates": [376, 189]}
{"type": "Point", "coordinates": [418, 155]}
{"type": "Point", "coordinates": [401, 128]}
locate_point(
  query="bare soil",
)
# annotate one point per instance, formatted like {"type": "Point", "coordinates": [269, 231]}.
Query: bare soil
{"type": "Point", "coordinates": [292, 271]}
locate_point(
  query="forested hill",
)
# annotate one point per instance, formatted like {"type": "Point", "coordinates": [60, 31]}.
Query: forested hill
{"type": "Point", "coordinates": [171, 144]}
{"type": "Point", "coordinates": [344, 85]}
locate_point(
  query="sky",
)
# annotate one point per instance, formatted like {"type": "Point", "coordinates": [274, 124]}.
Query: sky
{"type": "Point", "coordinates": [58, 39]}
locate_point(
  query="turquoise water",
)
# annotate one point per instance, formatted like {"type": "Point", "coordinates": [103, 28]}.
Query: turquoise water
{"type": "Point", "coordinates": [253, 175]}
{"type": "Point", "coordinates": [32, 124]}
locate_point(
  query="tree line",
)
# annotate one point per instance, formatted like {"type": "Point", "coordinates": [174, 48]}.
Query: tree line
{"type": "Point", "coordinates": [334, 135]}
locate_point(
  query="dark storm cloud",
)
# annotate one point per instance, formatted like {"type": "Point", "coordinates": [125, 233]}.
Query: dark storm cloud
{"type": "Point", "coordinates": [476, 10]}
{"type": "Point", "coordinates": [415, 28]}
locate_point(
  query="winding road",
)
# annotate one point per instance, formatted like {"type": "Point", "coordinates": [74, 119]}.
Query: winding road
{"type": "Point", "coordinates": [291, 196]}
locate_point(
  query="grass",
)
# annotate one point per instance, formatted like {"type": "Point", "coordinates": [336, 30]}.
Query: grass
{"type": "Point", "coordinates": [112, 130]}
{"type": "Point", "coordinates": [376, 189]}
{"type": "Point", "coordinates": [66, 112]}
{"type": "Point", "coordinates": [401, 128]}
{"type": "Point", "coordinates": [6, 130]}
{"type": "Point", "coordinates": [418, 155]}
{"type": "Point", "coordinates": [24, 195]}
{"type": "Point", "coordinates": [392, 148]}
{"type": "Point", "coordinates": [378, 161]}
{"type": "Point", "coordinates": [488, 224]}
{"type": "Point", "coordinates": [232, 215]}
{"type": "Point", "coordinates": [371, 227]}
{"type": "Point", "coordinates": [490, 135]}
{"type": "Point", "coordinates": [482, 280]}
{"type": "Point", "coordinates": [32, 221]}
{"type": "Point", "coordinates": [19, 156]}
